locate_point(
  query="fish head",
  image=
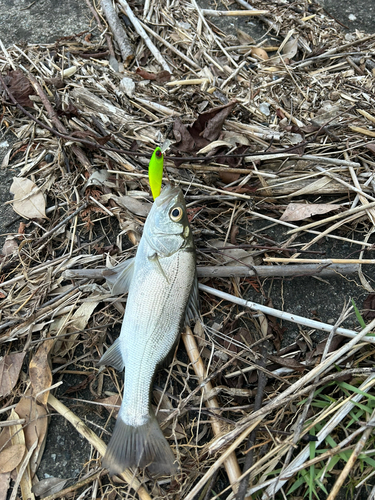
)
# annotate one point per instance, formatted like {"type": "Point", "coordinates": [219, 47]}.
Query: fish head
{"type": "Point", "coordinates": [167, 228]}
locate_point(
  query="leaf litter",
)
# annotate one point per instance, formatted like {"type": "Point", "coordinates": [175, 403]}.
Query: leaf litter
{"type": "Point", "coordinates": [251, 125]}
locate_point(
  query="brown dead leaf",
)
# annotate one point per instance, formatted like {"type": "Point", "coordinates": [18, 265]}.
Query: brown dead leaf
{"type": "Point", "coordinates": [20, 87]}
{"type": "Point", "coordinates": [161, 77]}
{"type": "Point", "coordinates": [369, 307]}
{"type": "Point", "coordinates": [244, 38]}
{"type": "Point", "coordinates": [11, 457]}
{"type": "Point", "coordinates": [209, 124]}
{"type": "Point", "coordinates": [40, 371]}
{"type": "Point", "coordinates": [228, 177]}
{"type": "Point", "coordinates": [301, 211]}
{"type": "Point", "coordinates": [371, 147]}
{"type": "Point", "coordinates": [135, 206]}
{"type": "Point", "coordinates": [35, 428]}
{"type": "Point", "coordinates": [4, 485]}
{"type": "Point", "coordinates": [206, 128]}
{"type": "Point", "coordinates": [185, 142]}
{"type": "Point", "coordinates": [28, 201]}
{"type": "Point", "coordinates": [112, 404]}
{"type": "Point", "coordinates": [10, 367]}
{"type": "Point", "coordinates": [18, 437]}
{"type": "Point", "coordinates": [288, 362]}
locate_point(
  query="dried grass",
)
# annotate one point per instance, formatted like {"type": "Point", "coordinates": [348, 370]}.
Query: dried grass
{"type": "Point", "coordinates": [297, 127]}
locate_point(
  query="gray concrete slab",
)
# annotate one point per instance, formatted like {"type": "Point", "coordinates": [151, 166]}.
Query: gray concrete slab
{"type": "Point", "coordinates": [42, 21]}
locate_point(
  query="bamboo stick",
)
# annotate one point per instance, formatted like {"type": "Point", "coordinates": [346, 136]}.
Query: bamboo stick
{"type": "Point", "coordinates": [293, 318]}
{"type": "Point", "coordinates": [286, 260]}
{"type": "Point", "coordinates": [97, 443]}
{"type": "Point", "coordinates": [230, 463]}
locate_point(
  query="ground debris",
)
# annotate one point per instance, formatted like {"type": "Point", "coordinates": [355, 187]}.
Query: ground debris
{"type": "Point", "coordinates": [272, 142]}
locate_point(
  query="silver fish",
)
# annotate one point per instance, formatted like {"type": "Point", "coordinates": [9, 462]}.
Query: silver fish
{"type": "Point", "coordinates": [163, 294]}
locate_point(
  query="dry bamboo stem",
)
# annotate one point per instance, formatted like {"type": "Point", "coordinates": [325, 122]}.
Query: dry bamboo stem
{"type": "Point", "coordinates": [226, 13]}
{"type": "Point", "coordinates": [221, 460]}
{"type": "Point", "coordinates": [286, 260]}
{"type": "Point", "coordinates": [96, 442]}
{"type": "Point", "coordinates": [230, 464]}
{"type": "Point", "coordinates": [118, 31]}
{"type": "Point", "coordinates": [139, 29]}
{"type": "Point", "coordinates": [239, 271]}
{"type": "Point", "coordinates": [170, 46]}
{"type": "Point", "coordinates": [293, 318]}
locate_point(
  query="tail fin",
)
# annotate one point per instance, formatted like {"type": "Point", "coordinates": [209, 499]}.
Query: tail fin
{"type": "Point", "coordinates": [142, 446]}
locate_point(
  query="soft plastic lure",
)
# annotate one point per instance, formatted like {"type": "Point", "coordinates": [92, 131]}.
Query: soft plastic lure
{"type": "Point", "coordinates": [155, 172]}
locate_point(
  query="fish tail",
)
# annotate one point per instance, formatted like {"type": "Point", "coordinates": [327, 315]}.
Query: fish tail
{"type": "Point", "coordinates": [140, 446]}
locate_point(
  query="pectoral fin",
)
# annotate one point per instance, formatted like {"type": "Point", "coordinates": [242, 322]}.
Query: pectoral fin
{"type": "Point", "coordinates": [113, 357]}
{"type": "Point", "coordinates": [155, 259]}
{"type": "Point", "coordinates": [119, 277]}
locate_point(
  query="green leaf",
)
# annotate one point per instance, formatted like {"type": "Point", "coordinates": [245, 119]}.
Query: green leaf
{"type": "Point", "coordinates": [358, 315]}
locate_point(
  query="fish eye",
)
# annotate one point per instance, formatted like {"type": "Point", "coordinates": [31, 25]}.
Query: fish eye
{"type": "Point", "coordinates": [159, 153]}
{"type": "Point", "coordinates": [176, 214]}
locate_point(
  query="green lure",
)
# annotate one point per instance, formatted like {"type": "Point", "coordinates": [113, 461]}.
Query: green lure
{"type": "Point", "coordinates": [155, 172]}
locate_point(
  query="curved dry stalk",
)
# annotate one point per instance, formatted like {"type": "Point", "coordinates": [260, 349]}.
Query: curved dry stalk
{"type": "Point", "coordinates": [139, 29]}
{"type": "Point", "coordinates": [293, 318]}
{"type": "Point", "coordinates": [230, 463]}
{"type": "Point", "coordinates": [97, 443]}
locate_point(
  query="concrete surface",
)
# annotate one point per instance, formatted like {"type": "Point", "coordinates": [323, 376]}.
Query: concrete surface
{"type": "Point", "coordinates": [42, 21]}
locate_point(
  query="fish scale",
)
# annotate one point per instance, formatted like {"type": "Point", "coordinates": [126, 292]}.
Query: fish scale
{"type": "Point", "coordinates": [162, 286]}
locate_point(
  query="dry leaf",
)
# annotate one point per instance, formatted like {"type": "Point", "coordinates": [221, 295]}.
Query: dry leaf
{"type": "Point", "coordinates": [11, 457]}
{"type": "Point", "coordinates": [290, 48]}
{"type": "Point", "coordinates": [10, 246]}
{"type": "Point", "coordinates": [77, 322]}
{"type": "Point", "coordinates": [20, 87]}
{"type": "Point", "coordinates": [10, 367]}
{"type": "Point", "coordinates": [161, 77]}
{"type": "Point", "coordinates": [35, 428]}
{"type": "Point", "coordinates": [49, 486]}
{"type": "Point", "coordinates": [113, 402]}
{"type": "Point", "coordinates": [312, 188]}
{"type": "Point", "coordinates": [40, 371]}
{"type": "Point", "coordinates": [135, 206]}
{"type": "Point", "coordinates": [4, 485]}
{"type": "Point", "coordinates": [300, 211]}
{"type": "Point", "coordinates": [28, 201]}
{"type": "Point", "coordinates": [18, 437]}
